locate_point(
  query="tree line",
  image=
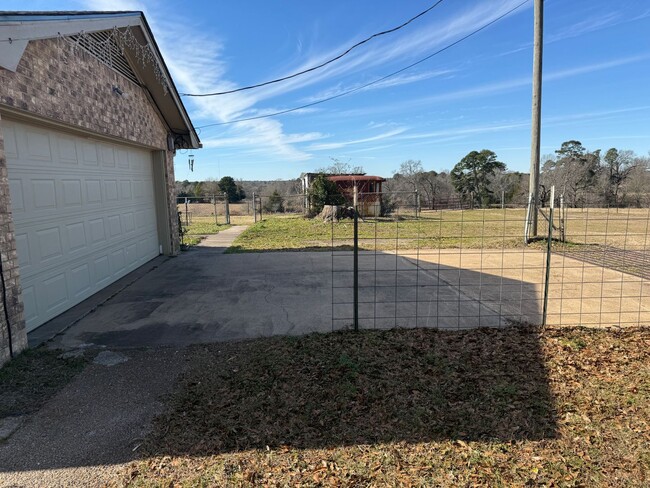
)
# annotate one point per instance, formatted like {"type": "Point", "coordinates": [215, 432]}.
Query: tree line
{"type": "Point", "coordinates": [615, 178]}
{"type": "Point", "coordinates": [206, 189]}
{"type": "Point", "coordinates": [612, 178]}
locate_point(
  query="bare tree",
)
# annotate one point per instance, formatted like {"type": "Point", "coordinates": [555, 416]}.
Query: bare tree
{"type": "Point", "coordinates": [411, 170]}
{"type": "Point", "coordinates": [637, 185]}
{"type": "Point", "coordinates": [339, 167]}
{"type": "Point", "coordinates": [618, 167]}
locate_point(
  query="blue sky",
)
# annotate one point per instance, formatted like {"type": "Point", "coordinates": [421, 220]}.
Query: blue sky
{"type": "Point", "coordinates": [476, 95]}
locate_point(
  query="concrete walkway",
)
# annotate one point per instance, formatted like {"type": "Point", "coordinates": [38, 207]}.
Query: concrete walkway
{"type": "Point", "coordinates": [223, 240]}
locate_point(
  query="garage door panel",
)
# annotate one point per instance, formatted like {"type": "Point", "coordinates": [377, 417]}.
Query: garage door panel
{"type": "Point", "coordinates": [54, 292]}
{"type": "Point", "coordinates": [31, 305]}
{"type": "Point", "coordinates": [107, 157]}
{"type": "Point", "coordinates": [89, 154]}
{"type": "Point", "coordinates": [102, 270]}
{"type": "Point", "coordinates": [71, 193]}
{"type": "Point", "coordinates": [36, 146]}
{"type": "Point", "coordinates": [43, 193]}
{"type": "Point", "coordinates": [22, 248]}
{"type": "Point", "coordinates": [84, 215]}
{"type": "Point", "coordinates": [48, 244]}
{"type": "Point", "coordinates": [80, 280]}
{"type": "Point", "coordinates": [93, 191]}
{"type": "Point", "coordinates": [128, 222]}
{"type": "Point", "coordinates": [17, 195]}
{"type": "Point", "coordinates": [10, 143]}
{"type": "Point", "coordinates": [67, 150]}
{"type": "Point", "coordinates": [75, 234]}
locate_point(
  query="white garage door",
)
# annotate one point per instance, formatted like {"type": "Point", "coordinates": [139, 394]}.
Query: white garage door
{"type": "Point", "coordinates": [84, 215]}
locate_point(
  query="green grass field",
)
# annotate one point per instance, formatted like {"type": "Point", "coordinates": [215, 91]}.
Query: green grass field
{"type": "Point", "coordinates": [452, 229]}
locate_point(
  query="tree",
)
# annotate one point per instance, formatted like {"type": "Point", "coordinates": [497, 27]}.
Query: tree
{"type": "Point", "coordinates": [411, 171]}
{"type": "Point", "coordinates": [339, 167]}
{"type": "Point", "coordinates": [198, 189]}
{"type": "Point", "coordinates": [324, 192]}
{"type": "Point", "coordinates": [618, 166]}
{"type": "Point", "coordinates": [505, 183]}
{"type": "Point", "coordinates": [471, 175]}
{"type": "Point", "coordinates": [233, 191]}
{"type": "Point", "coordinates": [275, 203]}
{"type": "Point", "coordinates": [573, 171]}
{"type": "Point", "coordinates": [637, 185]}
{"type": "Point", "coordinates": [210, 187]}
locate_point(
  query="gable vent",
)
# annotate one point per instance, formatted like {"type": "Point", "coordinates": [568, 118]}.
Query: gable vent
{"type": "Point", "coordinates": [102, 45]}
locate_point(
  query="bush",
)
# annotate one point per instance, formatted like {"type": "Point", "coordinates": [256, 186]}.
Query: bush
{"type": "Point", "coordinates": [324, 192]}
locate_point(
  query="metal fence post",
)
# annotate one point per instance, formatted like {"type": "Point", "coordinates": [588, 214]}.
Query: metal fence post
{"type": "Point", "coordinates": [227, 207]}
{"type": "Point", "coordinates": [254, 207]}
{"type": "Point", "coordinates": [214, 202]}
{"type": "Point", "coordinates": [187, 217]}
{"type": "Point", "coordinates": [356, 268]}
{"type": "Point", "coordinates": [548, 255]}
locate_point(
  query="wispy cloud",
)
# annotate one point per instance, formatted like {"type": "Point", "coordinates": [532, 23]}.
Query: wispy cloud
{"type": "Point", "coordinates": [337, 145]}
{"type": "Point", "coordinates": [494, 88]}
{"type": "Point", "coordinates": [247, 141]}
{"type": "Point", "coordinates": [399, 80]}
{"type": "Point", "coordinates": [582, 27]}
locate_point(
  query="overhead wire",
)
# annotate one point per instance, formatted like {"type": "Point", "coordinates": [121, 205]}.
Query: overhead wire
{"type": "Point", "coordinates": [318, 66]}
{"type": "Point", "coordinates": [374, 82]}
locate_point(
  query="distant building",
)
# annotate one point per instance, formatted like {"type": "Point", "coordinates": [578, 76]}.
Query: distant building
{"type": "Point", "coordinates": [368, 189]}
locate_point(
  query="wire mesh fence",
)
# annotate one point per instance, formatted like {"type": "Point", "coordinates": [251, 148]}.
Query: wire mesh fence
{"type": "Point", "coordinates": [204, 210]}
{"type": "Point", "coordinates": [600, 267]}
{"type": "Point", "coordinates": [458, 269]}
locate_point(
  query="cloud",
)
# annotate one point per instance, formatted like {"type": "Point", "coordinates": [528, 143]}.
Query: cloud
{"type": "Point", "coordinates": [492, 88]}
{"type": "Point", "coordinates": [337, 145]}
{"type": "Point", "coordinates": [247, 141]}
{"type": "Point", "coordinates": [387, 83]}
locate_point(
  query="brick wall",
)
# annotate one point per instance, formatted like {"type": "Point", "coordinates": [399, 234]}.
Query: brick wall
{"type": "Point", "coordinates": [10, 282]}
{"type": "Point", "coordinates": [55, 83]}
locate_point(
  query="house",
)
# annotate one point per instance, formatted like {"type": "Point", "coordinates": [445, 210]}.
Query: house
{"type": "Point", "coordinates": [90, 121]}
{"type": "Point", "coordinates": [368, 190]}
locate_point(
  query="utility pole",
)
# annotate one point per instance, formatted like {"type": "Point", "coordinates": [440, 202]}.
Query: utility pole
{"type": "Point", "coordinates": [537, 113]}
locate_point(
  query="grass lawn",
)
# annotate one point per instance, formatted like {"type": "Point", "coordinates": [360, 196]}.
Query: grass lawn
{"type": "Point", "coordinates": [418, 407]}
{"type": "Point", "coordinates": [201, 226]}
{"type": "Point", "coordinates": [452, 229]}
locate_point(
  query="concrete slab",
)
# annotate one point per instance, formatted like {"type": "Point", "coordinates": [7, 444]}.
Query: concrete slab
{"type": "Point", "coordinates": [207, 296]}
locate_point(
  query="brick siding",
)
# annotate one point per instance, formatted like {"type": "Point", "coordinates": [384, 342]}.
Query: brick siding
{"type": "Point", "coordinates": [55, 83]}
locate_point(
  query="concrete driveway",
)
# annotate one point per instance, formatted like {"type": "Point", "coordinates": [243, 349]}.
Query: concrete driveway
{"type": "Point", "coordinates": [204, 295]}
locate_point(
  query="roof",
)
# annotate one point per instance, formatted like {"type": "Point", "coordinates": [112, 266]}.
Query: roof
{"type": "Point", "coordinates": [18, 28]}
{"type": "Point", "coordinates": [355, 178]}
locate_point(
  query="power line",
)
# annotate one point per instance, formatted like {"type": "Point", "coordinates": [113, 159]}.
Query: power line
{"type": "Point", "coordinates": [374, 82]}
{"type": "Point", "coordinates": [313, 68]}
